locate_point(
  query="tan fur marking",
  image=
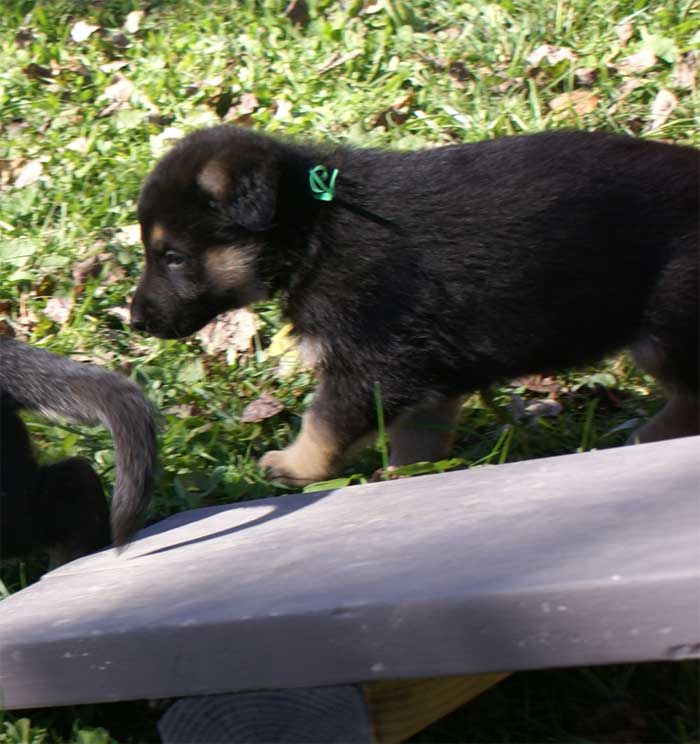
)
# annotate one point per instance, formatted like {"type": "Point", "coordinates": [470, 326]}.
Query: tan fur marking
{"type": "Point", "coordinates": [233, 268]}
{"type": "Point", "coordinates": [214, 179]}
{"type": "Point", "coordinates": [157, 234]}
{"type": "Point", "coordinates": [424, 433]}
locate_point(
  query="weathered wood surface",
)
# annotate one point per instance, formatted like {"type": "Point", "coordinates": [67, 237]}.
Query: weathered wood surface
{"type": "Point", "coordinates": [582, 559]}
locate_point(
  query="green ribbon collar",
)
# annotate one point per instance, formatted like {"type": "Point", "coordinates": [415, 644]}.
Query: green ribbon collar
{"type": "Point", "coordinates": [321, 183]}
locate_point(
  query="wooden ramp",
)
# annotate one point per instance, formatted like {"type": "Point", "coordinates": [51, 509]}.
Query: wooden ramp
{"type": "Point", "coordinates": [581, 559]}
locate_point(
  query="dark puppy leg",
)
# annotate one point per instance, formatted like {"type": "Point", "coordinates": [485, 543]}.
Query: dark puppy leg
{"type": "Point", "coordinates": [425, 433]}
{"type": "Point", "coordinates": [680, 417]}
{"type": "Point", "coordinates": [670, 348]}
{"type": "Point", "coordinates": [72, 511]}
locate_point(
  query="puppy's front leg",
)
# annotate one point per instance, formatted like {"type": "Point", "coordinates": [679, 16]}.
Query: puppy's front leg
{"type": "Point", "coordinates": [331, 426]}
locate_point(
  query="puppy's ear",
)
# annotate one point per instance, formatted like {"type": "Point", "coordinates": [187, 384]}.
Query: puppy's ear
{"type": "Point", "coordinates": [248, 194]}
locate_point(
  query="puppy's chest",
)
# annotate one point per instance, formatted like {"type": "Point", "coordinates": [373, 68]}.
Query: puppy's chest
{"type": "Point", "coordinates": [313, 352]}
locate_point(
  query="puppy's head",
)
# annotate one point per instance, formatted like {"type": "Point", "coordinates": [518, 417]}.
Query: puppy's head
{"type": "Point", "coordinates": [207, 212]}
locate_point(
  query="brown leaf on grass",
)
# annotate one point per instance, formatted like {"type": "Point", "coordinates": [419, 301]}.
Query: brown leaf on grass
{"type": "Point", "coordinates": [242, 111]}
{"type": "Point", "coordinates": [580, 101]}
{"type": "Point", "coordinates": [336, 60]}
{"type": "Point", "coordinates": [685, 72]}
{"type": "Point", "coordinates": [550, 55]}
{"type": "Point", "coordinates": [395, 115]}
{"type": "Point", "coordinates": [265, 407]}
{"type": "Point", "coordinates": [91, 267]}
{"type": "Point", "coordinates": [29, 173]}
{"type": "Point", "coordinates": [622, 92]}
{"type": "Point", "coordinates": [34, 71]}
{"type": "Point", "coordinates": [128, 234]}
{"type": "Point", "coordinates": [230, 332]}
{"type": "Point", "coordinates": [662, 107]}
{"type": "Point", "coordinates": [133, 21]}
{"type": "Point", "coordinates": [119, 40]}
{"type": "Point", "coordinates": [624, 31]}
{"type": "Point", "coordinates": [121, 89]}
{"type": "Point", "coordinates": [586, 75]}
{"type": "Point", "coordinates": [539, 384]}
{"type": "Point", "coordinates": [123, 313]}
{"type": "Point", "coordinates": [161, 142]}
{"type": "Point", "coordinates": [79, 145]}
{"type": "Point", "coordinates": [59, 309]}
{"type": "Point", "coordinates": [82, 31]}
{"type": "Point", "coordinates": [637, 63]}
{"type": "Point", "coordinates": [544, 408]}
{"type": "Point", "coordinates": [298, 12]}
{"type": "Point", "coordinates": [114, 65]}
{"type": "Point", "coordinates": [24, 37]}
{"type": "Point", "coordinates": [282, 108]}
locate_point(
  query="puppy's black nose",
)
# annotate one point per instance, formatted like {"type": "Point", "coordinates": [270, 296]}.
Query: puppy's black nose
{"type": "Point", "coordinates": [138, 324]}
{"type": "Point", "coordinates": [138, 318]}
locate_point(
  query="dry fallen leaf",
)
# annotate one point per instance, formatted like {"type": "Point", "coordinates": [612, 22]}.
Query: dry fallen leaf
{"type": "Point", "coordinates": [394, 115]}
{"type": "Point", "coordinates": [581, 101]}
{"type": "Point", "coordinates": [28, 174]}
{"type": "Point", "coordinates": [35, 71]}
{"type": "Point", "coordinates": [283, 109]}
{"type": "Point", "coordinates": [585, 75]}
{"type": "Point", "coordinates": [624, 32]}
{"type": "Point", "coordinates": [663, 106]}
{"type": "Point", "coordinates": [550, 54]}
{"type": "Point", "coordinates": [636, 63]}
{"type": "Point", "coordinates": [161, 142]}
{"type": "Point", "coordinates": [547, 408]}
{"type": "Point", "coordinates": [539, 384]}
{"type": "Point", "coordinates": [128, 234]}
{"type": "Point", "coordinates": [120, 90]}
{"type": "Point", "coordinates": [298, 12]}
{"type": "Point", "coordinates": [123, 313]}
{"type": "Point", "coordinates": [114, 66]}
{"type": "Point", "coordinates": [82, 31]}
{"type": "Point", "coordinates": [265, 407]}
{"type": "Point", "coordinates": [336, 60]}
{"type": "Point", "coordinates": [79, 145]}
{"type": "Point", "coordinates": [230, 332]}
{"type": "Point", "coordinates": [133, 21]}
{"type": "Point", "coordinates": [58, 309]}
{"type": "Point", "coordinates": [686, 70]}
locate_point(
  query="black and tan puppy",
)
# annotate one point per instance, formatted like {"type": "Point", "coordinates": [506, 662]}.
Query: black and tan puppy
{"type": "Point", "coordinates": [61, 507]}
{"type": "Point", "coordinates": [433, 273]}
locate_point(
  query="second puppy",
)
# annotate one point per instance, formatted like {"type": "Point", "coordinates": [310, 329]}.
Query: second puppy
{"type": "Point", "coordinates": [432, 273]}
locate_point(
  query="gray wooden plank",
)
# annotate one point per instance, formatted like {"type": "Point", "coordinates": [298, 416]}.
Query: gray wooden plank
{"type": "Point", "coordinates": [581, 559]}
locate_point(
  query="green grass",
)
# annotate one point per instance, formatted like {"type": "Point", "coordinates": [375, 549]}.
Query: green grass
{"type": "Point", "coordinates": [406, 75]}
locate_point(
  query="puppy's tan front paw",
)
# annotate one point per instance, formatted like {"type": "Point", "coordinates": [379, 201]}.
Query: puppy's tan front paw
{"type": "Point", "coordinates": [280, 466]}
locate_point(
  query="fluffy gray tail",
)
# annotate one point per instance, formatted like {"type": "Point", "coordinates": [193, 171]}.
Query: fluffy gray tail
{"type": "Point", "coordinates": [58, 387]}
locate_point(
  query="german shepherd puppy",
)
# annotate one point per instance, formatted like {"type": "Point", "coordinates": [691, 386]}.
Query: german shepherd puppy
{"type": "Point", "coordinates": [61, 507]}
{"type": "Point", "coordinates": [433, 273]}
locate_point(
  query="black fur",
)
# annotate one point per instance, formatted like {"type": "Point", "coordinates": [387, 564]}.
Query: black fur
{"type": "Point", "coordinates": [442, 271]}
{"type": "Point", "coordinates": [62, 506]}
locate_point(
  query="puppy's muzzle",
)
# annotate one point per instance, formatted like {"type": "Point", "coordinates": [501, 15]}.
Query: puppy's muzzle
{"type": "Point", "coordinates": [139, 312]}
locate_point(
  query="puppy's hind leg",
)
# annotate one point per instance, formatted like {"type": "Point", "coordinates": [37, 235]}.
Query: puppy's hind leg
{"type": "Point", "coordinates": [424, 433]}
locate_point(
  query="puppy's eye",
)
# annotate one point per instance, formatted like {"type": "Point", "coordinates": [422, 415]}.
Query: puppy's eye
{"type": "Point", "coordinates": [173, 259]}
